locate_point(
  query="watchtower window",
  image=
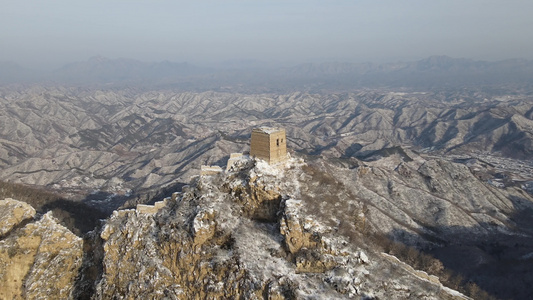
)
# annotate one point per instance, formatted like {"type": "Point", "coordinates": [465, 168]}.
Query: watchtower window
{"type": "Point", "coordinates": [277, 142]}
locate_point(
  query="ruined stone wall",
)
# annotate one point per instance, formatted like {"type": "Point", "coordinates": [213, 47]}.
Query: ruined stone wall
{"type": "Point", "coordinates": [233, 158]}
{"type": "Point", "coordinates": [151, 209]}
{"type": "Point", "coordinates": [147, 209]}
{"type": "Point", "coordinates": [210, 170]}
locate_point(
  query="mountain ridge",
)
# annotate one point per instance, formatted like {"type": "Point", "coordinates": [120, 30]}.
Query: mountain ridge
{"type": "Point", "coordinates": [417, 174]}
{"type": "Point", "coordinates": [431, 72]}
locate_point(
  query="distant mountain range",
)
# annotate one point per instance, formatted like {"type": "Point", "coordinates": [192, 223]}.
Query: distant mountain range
{"type": "Point", "coordinates": [103, 70]}
{"type": "Point", "coordinates": [11, 72]}
{"type": "Point", "coordinates": [431, 72]}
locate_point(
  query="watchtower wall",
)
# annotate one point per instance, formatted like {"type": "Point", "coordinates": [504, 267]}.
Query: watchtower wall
{"type": "Point", "coordinates": [269, 144]}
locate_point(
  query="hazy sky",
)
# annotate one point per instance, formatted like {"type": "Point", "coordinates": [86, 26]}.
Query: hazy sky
{"type": "Point", "coordinates": [52, 32]}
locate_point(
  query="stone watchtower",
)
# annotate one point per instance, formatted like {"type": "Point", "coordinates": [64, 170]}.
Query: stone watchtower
{"type": "Point", "coordinates": [269, 144]}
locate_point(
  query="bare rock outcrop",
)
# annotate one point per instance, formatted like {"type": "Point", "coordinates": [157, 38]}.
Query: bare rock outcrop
{"type": "Point", "coordinates": [208, 243]}
{"type": "Point", "coordinates": [39, 260]}
{"type": "Point", "coordinates": [13, 213]}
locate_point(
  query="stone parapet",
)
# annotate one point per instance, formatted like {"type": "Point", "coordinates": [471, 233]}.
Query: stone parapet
{"type": "Point", "coordinates": [210, 170]}
{"type": "Point", "coordinates": [146, 209]}
{"type": "Point", "coordinates": [234, 157]}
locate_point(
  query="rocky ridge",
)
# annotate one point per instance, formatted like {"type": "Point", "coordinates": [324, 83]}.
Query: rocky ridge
{"type": "Point", "coordinates": [38, 257]}
{"type": "Point", "coordinates": [301, 230]}
{"type": "Point", "coordinates": [445, 209]}
{"type": "Point", "coordinates": [246, 234]}
{"type": "Point", "coordinates": [434, 71]}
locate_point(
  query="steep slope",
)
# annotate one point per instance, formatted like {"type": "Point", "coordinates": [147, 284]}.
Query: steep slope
{"type": "Point", "coordinates": [477, 228]}
{"type": "Point", "coordinates": [248, 234]}
{"type": "Point", "coordinates": [38, 258]}
{"type": "Point", "coordinates": [297, 230]}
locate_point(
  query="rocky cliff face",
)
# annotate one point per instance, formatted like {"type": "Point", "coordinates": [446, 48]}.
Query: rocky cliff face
{"type": "Point", "coordinates": [39, 259]}
{"type": "Point", "coordinates": [247, 234]}
{"type": "Point", "coordinates": [300, 230]}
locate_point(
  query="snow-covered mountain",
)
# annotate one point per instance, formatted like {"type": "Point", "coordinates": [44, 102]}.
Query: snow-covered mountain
{"type": "Point", "coordinates": [301, 230]}
{"type": "Point", "coordinates": [439, 179]}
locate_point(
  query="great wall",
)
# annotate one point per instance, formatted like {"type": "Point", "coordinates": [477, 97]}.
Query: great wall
{"type": "Point", "coordinates": [266, 143]}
